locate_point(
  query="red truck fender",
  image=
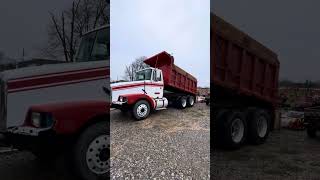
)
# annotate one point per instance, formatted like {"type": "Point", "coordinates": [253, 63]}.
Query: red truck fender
{"type": "Point", "coordinates": [133, 98]}
{"type": "Point", "coordinates": [70, 117]}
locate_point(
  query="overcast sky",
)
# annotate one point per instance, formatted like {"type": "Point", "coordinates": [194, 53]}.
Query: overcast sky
{"type": "Point", "coordinates": [24, 23]}
{"type": "Point", "coordinates": [147, 27]}
{"type": "Point", "coordinates": [290, 28]}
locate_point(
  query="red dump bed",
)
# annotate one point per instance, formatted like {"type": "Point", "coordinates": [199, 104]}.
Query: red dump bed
{"type": "Point", "coordinates": [242, 64]}
{"type": "Point", "coordinates": [175, 78]}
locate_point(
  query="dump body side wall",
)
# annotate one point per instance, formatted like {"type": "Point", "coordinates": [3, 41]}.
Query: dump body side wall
{"type": "Point", "coordinates": [175, 78]}
{"type": "Point", "coordinates": [181, 80]}
{"type": "Point", "coordinates": [241, 64]}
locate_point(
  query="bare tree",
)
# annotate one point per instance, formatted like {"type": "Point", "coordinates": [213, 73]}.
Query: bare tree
{"type": "Point", "coordinates": [65, 30]}
{"type": "Point", "coordinates": [135, 66]}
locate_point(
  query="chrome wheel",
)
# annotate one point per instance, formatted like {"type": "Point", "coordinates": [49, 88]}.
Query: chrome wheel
{"type": "Point", "coordinates": [97, 155]}
{"type": "Point", "coordinates": [237, 130]}
{"type": "Point", "coordinates": [262, 126]}
{"type": "Point", "coordinates": [183, 102]}
{"type": "Point", "coordinates": [142, 110]}
{"type": "Point", "coordinates": [191, 101]}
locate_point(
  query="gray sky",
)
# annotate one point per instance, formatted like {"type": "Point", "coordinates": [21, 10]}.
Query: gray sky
{"type": "Point", "coordinates": [290, 28]}
{"type": "Point", "coordinates": [24, 23]}
{"type": "Point", "coordinates": [147, 27]}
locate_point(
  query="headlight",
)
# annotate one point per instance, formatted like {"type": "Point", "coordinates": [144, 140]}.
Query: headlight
{"type": "Point", "coordinates": [35, 119]}
{"type": "Point", "coordinates": [122, 99]}
{"type": "Point", "coordinates": [42, 120]}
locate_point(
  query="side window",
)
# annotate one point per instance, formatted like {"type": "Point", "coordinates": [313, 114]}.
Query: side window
{"type": "Point", "coordinates": [101, 46]}
{"type": "Point", "coordinates": [94, 46]}
{"type": "Point", "coordinates": [85, 49]}
{"type": "Point", "coordinates": [158, 76]}
{"type": "Point", "coordinates": [154, 75]}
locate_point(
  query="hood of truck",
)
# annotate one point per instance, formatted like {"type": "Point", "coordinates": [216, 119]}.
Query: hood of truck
{"type": "Point", "coordinates": [47, 69]}
{"type": "Point", "coordinates": [124, 88]}
{"type": "Point", "coordinates": [8, 112]}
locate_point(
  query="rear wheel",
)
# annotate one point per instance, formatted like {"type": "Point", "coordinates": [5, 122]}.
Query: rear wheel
{"type": "Point", "coordinates": [259, 126]}
{"type": "Point", "coordinates": [182, 102]}
{"type": "Point", "coordinates": [92, 153]}
{"type": "Point", "coordinates": [233, 130]}
{"type": "Point", "coordinates": [141, 110]}
{"type": "Point", "coordinates": [190, 101]}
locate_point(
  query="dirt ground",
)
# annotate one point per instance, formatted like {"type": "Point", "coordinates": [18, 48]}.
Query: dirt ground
{"type": "Point", "coordinates": [287, 154]}
{"type": "Point", "coordinates": [170, 144]}
{"type": "Point", "coordinates": [23, 165]}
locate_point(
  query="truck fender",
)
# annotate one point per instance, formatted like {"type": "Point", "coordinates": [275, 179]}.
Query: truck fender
{"type": "Point", "coordinates": [70, 117]}
{"type": "Point", "coordinates": [133, 98]}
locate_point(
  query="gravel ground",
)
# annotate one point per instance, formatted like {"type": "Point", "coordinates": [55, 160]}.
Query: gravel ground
{"type": "Point", "coordinates": [20, 165]}
{"type": "Point", "coordinates": [287, 154]}
{"type": "Point", "coordinates": [170, 144]}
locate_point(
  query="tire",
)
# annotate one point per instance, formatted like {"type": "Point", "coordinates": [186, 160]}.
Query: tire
{"type": "Point", "coordinates": [182, 102]}
{"type": "Point", "coordinates": [217, 124]}
{"type": "Point", "coordinates": [312, 132]}
{"type": "Point", "coordinates": [141, 110]}
{"type": "Point", "coordinates": [259, 126]}
{"type": "Point", "coordinates": [93, 140]}
{"type": "Point", "coordinates": [233, 130]}
{"type": "Point", "coordinates": [190, 101]}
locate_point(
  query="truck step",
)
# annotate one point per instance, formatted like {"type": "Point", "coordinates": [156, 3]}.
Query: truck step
{"type": "Point", "coordinates": [160, 109]}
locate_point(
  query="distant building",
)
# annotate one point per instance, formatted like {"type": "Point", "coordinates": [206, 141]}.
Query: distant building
{"type": "Point", "coordinates": [203, 91]}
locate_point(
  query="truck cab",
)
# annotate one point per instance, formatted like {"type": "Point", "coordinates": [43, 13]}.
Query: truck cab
{"type": "Point", "coordinates": [62, 109]}
{"type": "Point", "coordinates": [145, 81]}
{"type": "Point", "coordinates": [146, 88]}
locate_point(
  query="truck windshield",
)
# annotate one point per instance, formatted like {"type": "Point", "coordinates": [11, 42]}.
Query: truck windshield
{"type": "Point", "coordinates": [143, 75]}
{"type": "Point", "coordinates": [94, 46]}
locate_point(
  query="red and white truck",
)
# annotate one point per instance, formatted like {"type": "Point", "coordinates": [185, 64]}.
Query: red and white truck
{"type": "Point", "coordinates": [62, 108]}
{"type": "Point", "coordinates": [154, 88]}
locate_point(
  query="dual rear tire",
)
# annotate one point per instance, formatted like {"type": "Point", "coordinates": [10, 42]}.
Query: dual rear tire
{"type": "Point", "coordinates": [185, 101]}
{"type": "Point", "coordinates": [235, 127]}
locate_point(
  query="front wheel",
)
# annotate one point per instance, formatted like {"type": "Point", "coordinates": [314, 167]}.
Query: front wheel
{"type": "Point", "coordinates": [141, 110]}
{"type": "Point", "coordinates": [92, 153]}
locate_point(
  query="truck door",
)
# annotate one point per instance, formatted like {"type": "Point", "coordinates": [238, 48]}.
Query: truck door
{"type": "Point", "coordinates": [157, 81]}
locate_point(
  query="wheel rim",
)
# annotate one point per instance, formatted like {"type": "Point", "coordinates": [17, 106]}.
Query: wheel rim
{"type": "Point", "coordinates": [98, 155]}
{"type": "Point", "coordinates": [237, 130]}
{"type": "Point", "coordinates": [191, 101]}
{"type": "Point", "coordinates": [262, 126]}
{"type": "Point", "coordinates": [142, 110]}
{"type": "Point", "coordinates": [184, 102]}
